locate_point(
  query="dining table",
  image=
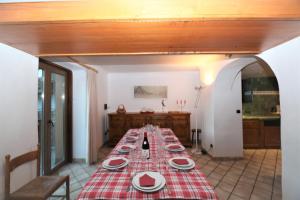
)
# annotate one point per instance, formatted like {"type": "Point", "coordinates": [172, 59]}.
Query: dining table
{"type": "Point", "coordinates": [117, 184]}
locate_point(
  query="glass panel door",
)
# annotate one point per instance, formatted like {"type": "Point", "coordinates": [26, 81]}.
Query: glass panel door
{"type": "Point", "coordinates": [57, 119]}
{"type": "Point", "coordinates": [54, 114]}
{"type": "Point", "coordinates": [41, 114]}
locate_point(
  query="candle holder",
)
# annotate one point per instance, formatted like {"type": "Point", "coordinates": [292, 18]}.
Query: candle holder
{"type": "Point", "coordinates": [181, 103]}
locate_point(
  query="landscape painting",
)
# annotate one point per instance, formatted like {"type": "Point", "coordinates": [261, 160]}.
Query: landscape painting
{"type": "Point", "coordinates": [147, 92]}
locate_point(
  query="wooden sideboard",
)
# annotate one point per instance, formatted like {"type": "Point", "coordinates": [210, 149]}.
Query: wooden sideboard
{"type": "Point", "coordinates": [179, 122]}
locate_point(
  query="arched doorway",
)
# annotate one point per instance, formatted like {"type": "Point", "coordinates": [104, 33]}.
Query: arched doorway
{"type": "Point", "coordinates": [261, 166]}
{"type": "Point", "coordinates": [260, 107]}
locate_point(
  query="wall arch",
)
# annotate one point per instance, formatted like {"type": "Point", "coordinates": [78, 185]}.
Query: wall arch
{"type": "Point", "coordinates": [284, 60]}
{"type": "Point", "coordinates": [228, 130]}
{"type": "Point", "coordinates": [227, 99]}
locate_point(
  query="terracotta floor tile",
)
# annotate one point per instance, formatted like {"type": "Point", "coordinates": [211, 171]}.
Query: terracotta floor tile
{"type": "Point", "coordinates": [243, 190]}
{"type": "Point", "coordinates": [223, 195]}
{"type": "Point", "coordinates": [256, 197]}
{"type": "Point", "coordinates": [220, 171]}
{"type": "Point", "coordinates": [262, 193]}
{"type": "Point", "coordinates": [235, 197]}
{"type": "Point", "coordinates": [264, 186]}
{"type": "Point", "coordinates": [228, 187]}
{"type": "Point", "coordinates": [212, 181]}
{"type": "Point", "coordinates": [215, 176]}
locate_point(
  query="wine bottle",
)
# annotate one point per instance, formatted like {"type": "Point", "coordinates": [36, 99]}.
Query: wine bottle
{"type": "Point", "coordinates": [145, 147]}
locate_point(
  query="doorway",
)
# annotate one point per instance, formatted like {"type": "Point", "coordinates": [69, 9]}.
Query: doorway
{"type": "Point", "coordinates": [261, 107]}
{"type": "Point", "coordinates": [54, 116]}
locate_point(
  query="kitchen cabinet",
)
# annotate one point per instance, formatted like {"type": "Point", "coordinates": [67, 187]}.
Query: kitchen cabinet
{"type": "Point", "coordinates": [271, 131]}
{"type": "Point", "coordinates": [252, 135]}
{"type": "Point", "coordinates": [179, 122]}
{"type": "Point", "coordinates": [261, 133]}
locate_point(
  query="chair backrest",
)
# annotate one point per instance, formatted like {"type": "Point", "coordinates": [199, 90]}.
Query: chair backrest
{"type": "Point", "coordinates": [12, 164]}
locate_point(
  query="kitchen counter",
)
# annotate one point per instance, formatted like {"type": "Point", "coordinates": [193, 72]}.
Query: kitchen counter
{"type": "Point", "coordinates": [261, 117]}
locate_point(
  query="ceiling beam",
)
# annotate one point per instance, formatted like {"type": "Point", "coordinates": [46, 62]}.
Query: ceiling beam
{"type": "Point", "coordinates": [82, 64]}
{"type": "Point", "coordinates": [138, 27]}
{"type": "Point", "coordinates": [158, 37]}
{"type": "Point", "coordinates": [91, 10]}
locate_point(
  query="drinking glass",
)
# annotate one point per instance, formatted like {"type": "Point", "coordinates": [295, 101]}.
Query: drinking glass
{"type": "Point", "coordinates": [132, 159]}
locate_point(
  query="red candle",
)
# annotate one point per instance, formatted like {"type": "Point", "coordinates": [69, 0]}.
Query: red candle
{"type": "Point", "coordinates": [184, 101]}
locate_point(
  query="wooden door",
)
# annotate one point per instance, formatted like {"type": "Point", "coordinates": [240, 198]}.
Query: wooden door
{"type": "Point", "coordinates": [54, 111]}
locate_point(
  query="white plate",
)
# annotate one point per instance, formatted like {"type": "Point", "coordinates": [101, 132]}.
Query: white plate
{"type": "Point", "coordinates": [191, 164]}
{"type": "Point", "coordinates": [160, 181]}
{"type": "Point", "coordinates": [125, 151]}
{"type": "Point", "coordinates": [175, 150]}
{"type": "Point", "coordinates": [134, 134]}
{"type": "Point", "coordinates": [134, 139]}
{"type": "Point", "coordinates": [107, 166]}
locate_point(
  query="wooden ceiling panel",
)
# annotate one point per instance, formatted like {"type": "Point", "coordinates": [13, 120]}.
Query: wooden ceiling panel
{"type": "Point", "coordinates": [100, 27]}
{"type": "Point", "coordinates": [150, 37]}
{"type": "Point", "coordinates": [87, 10]}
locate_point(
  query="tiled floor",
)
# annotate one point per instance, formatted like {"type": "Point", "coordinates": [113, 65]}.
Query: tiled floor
{"type": "Point", "coordinates": [256, 177]}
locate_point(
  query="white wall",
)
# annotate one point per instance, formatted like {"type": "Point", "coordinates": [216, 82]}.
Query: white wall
{"type": "Point", "coordinates": [208, 74]}
{"type": "Point", "coordinates": [79, 114]}
{"type": "Point", "coordinates": [206, 117]}
{"type": "Point", "coordinates": [18, 111]}
{"type": "Point", "coordinates": [228, 129]}
{"type": "Point", "coordinates": [181, 85]}
{"type": "Point", "coordinates": [102, 99]}
{"type": "Point", "coordinates": [285, 62]}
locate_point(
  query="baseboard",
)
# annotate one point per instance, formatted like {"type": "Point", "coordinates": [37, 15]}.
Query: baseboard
{"type": "Point", "coordinates": [79, 160]}
{"type": "Point", "coordinates": [227, 158]}
{"type": "Point", "coordinates": [205, 152]}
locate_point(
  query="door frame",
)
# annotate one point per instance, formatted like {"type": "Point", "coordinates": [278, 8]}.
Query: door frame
{"type": "Point", "coordinates": [51, 67]}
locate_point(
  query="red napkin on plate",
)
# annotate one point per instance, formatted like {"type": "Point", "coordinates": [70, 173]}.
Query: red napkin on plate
{"type": "Point", "coordinates": [125, 148]}
{"type": "Point", "coordinates": [174, 146]}
{"type": "Point", "coordinates": [146, 181]}
{"type": "Point", "coordinates": [116, 162]}
{"type": "Point", "coordinates": [180, 161]}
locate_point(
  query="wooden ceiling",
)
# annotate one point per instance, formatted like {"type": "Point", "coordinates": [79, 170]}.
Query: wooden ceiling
{"type": "Point", "coordinates": [113, 27]}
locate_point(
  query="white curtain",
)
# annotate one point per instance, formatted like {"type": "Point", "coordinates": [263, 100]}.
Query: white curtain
{"type": "Point", "coordinates": [94, 138]}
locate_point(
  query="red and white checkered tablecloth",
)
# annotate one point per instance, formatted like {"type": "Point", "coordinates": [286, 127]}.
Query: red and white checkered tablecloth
{"type": "Point", "coordinates": [105, 184]}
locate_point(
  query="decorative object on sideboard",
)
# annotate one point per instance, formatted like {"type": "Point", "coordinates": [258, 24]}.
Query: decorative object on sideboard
{"type": "Point", "coordinates": [150, 92]}
{"type": "Point", "coordinates": [121, 109]}
{"type": "Point", "coordinates": [147, 110]}
{"type": "Point", "coordinates": [181, 103]}
{"type": "Point", "coordinates": [163, 105]}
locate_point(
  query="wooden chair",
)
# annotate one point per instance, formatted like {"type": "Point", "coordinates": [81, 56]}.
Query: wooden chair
{"type": "Point", "coordinates": [41, 187]}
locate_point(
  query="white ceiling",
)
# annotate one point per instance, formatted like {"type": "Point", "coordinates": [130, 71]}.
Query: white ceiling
{"type": "Point", "coordinates": [145, 63]}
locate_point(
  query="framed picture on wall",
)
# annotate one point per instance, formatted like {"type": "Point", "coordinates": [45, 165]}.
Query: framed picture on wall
{"type": "Point", "coordinates": [148, 92]}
